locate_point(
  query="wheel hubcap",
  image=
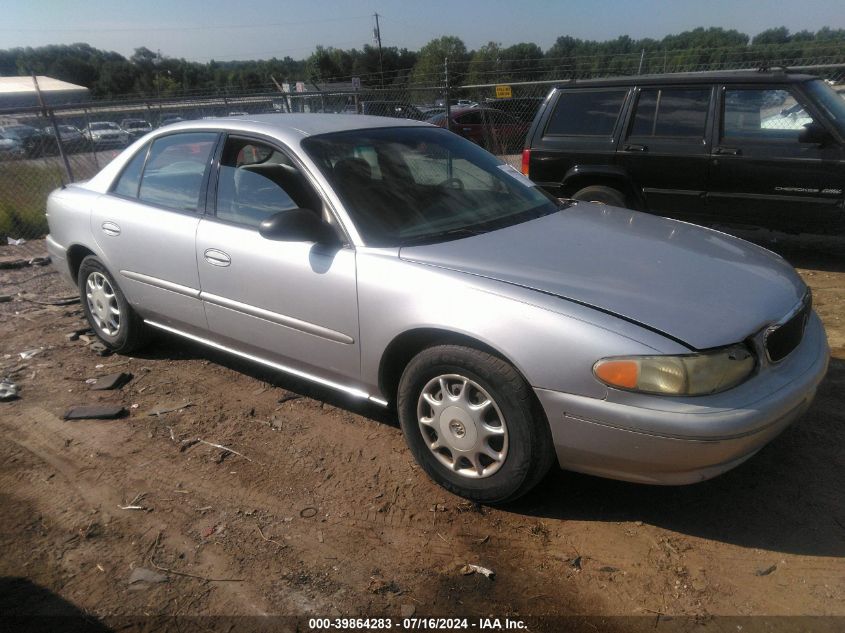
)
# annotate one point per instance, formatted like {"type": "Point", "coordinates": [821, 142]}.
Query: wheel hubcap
{"type": "Point", "coordinates": [102, 304]}
{"type": "Point", "coordinates": [462, 426]}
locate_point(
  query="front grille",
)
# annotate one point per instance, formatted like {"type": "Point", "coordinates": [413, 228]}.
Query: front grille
{"type": "Point", "coordinates": [782, 339]}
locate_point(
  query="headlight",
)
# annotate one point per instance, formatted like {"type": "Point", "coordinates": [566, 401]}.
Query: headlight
{"type": "Point", "coordinates": [688, 375]}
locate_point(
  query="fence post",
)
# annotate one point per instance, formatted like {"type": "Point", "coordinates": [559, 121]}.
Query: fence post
{"type": "Point", "coordinates": [446, 93]}
{"type": "Point", "coordinates": [52, 117]}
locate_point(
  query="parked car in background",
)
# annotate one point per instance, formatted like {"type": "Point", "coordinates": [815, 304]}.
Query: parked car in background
{"type": "Point", "coordinates": [748, 149]}
{"type": "Point", "coordinates": [10, 147]}
{"type": "Point", "coordinates": [239, 113]}
{"type": "Point", "coordinates": [171, 119]}
{"type": "Point", "coordinates": [396, 109]}
{"type": "Point", "coordinates": [493, 129]}
{"type": "Point", "coordinates": [400, 264]}
{"type": "Point", "coordinates": [135, 128]}
{"type": "Point", "coordinates": [71, 137]}
{"type": "Point", "coordinates": [35, 142]}
{"type": "Point", "coordinates": [523, 109]}
{"type": "Point", "coordinates": [106, 134]}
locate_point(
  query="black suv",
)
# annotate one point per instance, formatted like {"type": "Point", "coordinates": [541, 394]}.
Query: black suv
{"type": "Point", "coordinates": [762, 149]}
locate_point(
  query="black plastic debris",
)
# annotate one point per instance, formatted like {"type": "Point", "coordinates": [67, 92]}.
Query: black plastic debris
{"type": "Point", "coordinates": [95, 412]}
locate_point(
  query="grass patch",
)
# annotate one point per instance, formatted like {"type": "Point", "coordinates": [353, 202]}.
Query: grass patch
{"type": "Point", "coordinates": [24, 187]}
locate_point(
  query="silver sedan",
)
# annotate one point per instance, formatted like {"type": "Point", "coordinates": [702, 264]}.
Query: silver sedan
{"type": "Point", "coordinates": [398, 263]}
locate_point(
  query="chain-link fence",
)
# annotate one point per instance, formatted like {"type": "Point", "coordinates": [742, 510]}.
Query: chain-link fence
{"type": "Point", "coordinates": [40, 149]}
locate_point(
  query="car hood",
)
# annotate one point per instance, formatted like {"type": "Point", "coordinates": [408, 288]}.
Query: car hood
{"type": "Point", "coordinates": [699, 286]}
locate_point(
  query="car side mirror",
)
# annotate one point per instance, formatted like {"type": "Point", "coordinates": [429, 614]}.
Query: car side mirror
{"type": "Point", "coordinates": [813, 133]}
{"type": "Point", "coordinates": [297, 225]}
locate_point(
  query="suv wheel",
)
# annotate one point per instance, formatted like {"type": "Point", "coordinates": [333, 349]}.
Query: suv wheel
{"type": "Point", "coordinates": [602, 194]}
{"type": "Point", "coordinates": [472, 423]}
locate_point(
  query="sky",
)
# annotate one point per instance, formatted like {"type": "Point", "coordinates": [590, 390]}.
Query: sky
{"type": "Point", "coordinates": [201, 30]}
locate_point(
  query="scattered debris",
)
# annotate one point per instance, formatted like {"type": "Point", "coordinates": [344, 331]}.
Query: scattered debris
{"type": "Point", "coordinates": [407, 610]}
{"type": "Point", "coordinates": [144, 575]}
{"type": "Point", "coordinates": [320, 536]}
{"type": "Point", "coordinates": [5, 298]}
{"type": "Point", "coordinates": [608, 569]}
{"type": "Point", "coordinates": [766, 571]}
{"type": "Point", "coordinates": [112, 381]}
{"type": "Point", "coordinates": [26, 355]}
{"type": "Point", "coordinates": [169, 408]}
{"type": "Point", "coordinates": [288, 397]}
{"type": "Point", "coordinates": [186, 444]}
{"type": "Point", "coordinates": [100, 349]}
{"type": "Point", "coordinates": [135, 504]}
{"type": "Point", "coordinates": [8, 389]}
{"type": "Point", "coordinates": [209, 531]}
{"type": "Point", "coordinates": [15, 242]}
{"type": "Point", "coordinates": [382, 586]}
{"type": "Point", "coordinates": [224, 448]}
{"type": "Point", "coordinates": [575, 563]}
{"type": "Point", "coordinates": [482, 541]}
{"type": "Point", "coordinates": [307, 513]}
{"type": "Point", "coordinates": [269, 540]}
{"type": "Point", "coordinates": [470, 569]}
{"type": "Point", "coordinates": [95, 412]}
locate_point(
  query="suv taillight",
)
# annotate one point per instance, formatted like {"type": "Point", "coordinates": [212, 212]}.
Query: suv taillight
{"type": "Point", "coordinates": [526, 158]}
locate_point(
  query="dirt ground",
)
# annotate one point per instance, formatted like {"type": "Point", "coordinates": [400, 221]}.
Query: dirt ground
{"type": "Point", "coordinates": [318, 508]}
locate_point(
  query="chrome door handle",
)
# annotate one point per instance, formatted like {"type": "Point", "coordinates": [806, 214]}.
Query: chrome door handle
{"type": "Point", "coordinates": [729, 151]}
{"type": "Point", "coordinates": [110, 228]}
{"type": "Point", "coordinates": [217, 257]}
{"type": "Point", "coordinates": [633, 147]}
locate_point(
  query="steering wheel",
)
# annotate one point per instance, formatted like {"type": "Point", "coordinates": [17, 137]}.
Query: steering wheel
{"type": "Point", "coordinates": [454, 183]}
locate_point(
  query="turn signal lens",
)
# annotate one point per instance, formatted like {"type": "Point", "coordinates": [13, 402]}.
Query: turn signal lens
{"type": "Point", "coordinates": [619, 373]}
{"type": "Point", "coordinates": [688, 375]}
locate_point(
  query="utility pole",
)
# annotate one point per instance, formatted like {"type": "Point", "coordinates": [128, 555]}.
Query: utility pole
{"type": "Point", "coordinates": [446, 94]}
{"type": "Point", "coordinates": [377, 38]}
{"type": "Point", "coordinates": [642, 58]}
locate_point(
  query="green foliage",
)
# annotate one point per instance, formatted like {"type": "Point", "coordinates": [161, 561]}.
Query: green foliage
{"type": "Point", "coordinates": [25, 189]}
{"type": "Point", "coordinates": [148, 73]}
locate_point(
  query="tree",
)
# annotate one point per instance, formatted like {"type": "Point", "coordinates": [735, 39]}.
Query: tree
{"type": "Point", "coordinates": [429, 68]}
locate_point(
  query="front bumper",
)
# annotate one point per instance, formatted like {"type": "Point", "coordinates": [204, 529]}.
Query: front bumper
{"type": "Point", "coordinates": [685, 440]}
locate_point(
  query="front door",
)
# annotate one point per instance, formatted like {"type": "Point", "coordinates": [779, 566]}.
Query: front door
{"type": "Point", "coordinates": [764, 173]}
{"type": "Point", "coordinates": [293, 303]}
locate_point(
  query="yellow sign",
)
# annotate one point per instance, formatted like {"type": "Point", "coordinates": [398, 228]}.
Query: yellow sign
{"type": "Point", "coordinates": [503, 92]}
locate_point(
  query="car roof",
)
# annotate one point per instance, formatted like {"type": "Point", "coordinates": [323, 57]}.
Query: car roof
{"type": "Point", "coordinates": [736, 76]}
{"type": "Point", "coordinates": [296, 126]}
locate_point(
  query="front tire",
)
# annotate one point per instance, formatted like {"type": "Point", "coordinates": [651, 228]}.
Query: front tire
{"type": "Point", "coordinates": [108, 312]}
{"type": "Point", "coordinates": [473, 424]}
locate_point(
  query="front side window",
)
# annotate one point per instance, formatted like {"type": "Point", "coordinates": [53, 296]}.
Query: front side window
{"type": "Point", "coordinates": [586, 112]}
{"type": "Point", "coordinates": [763, 114]}
{"type": "Point", "coordinates": [414, 185]}
{"type": "Point", "coordinates": [257, 181]}
{"type": "Point", "coordinates": [671, 112]}
{"type": "Point", "coordinates": [175, 168]}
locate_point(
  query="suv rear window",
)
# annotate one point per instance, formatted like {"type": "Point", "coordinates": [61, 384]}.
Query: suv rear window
{"type": "Point", "coordinates": [678, 112]}
{"type": "Point", "coordinates": [586, 112]}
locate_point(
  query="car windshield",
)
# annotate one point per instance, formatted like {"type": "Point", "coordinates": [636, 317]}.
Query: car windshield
{"type": "Point", "coordinates": [20, 132]}
{"type": "Point", "coordinates": [829, 101]}
{"type": "Point", "coordinates": [103, 126]}
{"type": "Point", "coordinates": [416, 185]}
{"type": "Point", "coordinates": [136, 124]}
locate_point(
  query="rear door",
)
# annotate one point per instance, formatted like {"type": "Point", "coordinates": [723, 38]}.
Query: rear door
{"type": "Point", "coordinates": [146, 226]}
{"type": "Point", "coordinates": [762, 173]}
{"type": "Point", "coordinates": [580, 127]}
{"type": "Point", "coordinates": [665, 148]}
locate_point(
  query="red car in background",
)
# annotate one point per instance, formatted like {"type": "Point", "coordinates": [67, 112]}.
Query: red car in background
{"type": "Point", "coordinates": [494, 130]}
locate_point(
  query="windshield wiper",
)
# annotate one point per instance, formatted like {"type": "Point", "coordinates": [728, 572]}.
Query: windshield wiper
{"type": "Point", "coordinates": [457, 232]}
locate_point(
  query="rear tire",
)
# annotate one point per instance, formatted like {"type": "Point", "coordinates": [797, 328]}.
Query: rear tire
{"type": "Point", "coordinates": [108, 312]}
{"type": "Point", "coordinates": [473, 424]}
{"type": "Point", "coordinates": [603, 195]}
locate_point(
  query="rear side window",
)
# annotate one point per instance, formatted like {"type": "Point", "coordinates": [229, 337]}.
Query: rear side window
{"type": "Point", "coordinates": [586, 112]}
{"type": "Point", "coordinates": [763, 114]}
{"type": "Point", "coordinates": [678, 112]}
{"type": "Point", "coordinates": [175, 169]}
{"type": "Point", "coordinates": [127, 184]}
